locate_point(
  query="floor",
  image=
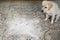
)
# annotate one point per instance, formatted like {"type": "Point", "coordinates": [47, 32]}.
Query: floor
{"type": "Point", "coordinates": [30, 10]}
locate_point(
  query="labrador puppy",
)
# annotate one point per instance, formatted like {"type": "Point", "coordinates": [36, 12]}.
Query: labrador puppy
{"type": "Point", "coordinates": [51, 9]}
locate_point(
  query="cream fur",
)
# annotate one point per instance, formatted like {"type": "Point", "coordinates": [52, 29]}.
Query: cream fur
{"type": "Point", "coordinates": [53, 11]}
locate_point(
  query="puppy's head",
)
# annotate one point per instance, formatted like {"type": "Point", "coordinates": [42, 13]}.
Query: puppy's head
{"type": "Point", "coordinates": [46, 6]}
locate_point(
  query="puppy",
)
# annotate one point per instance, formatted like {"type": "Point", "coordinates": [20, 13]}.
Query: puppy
{"type": "Point", "coordinates": [51, 9]}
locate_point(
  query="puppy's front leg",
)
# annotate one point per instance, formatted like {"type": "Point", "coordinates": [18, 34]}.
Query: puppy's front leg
{"type": "Point", "coordinates": [57, 17]}
{"type": "Point", "coordinates": [52, 19]}
{"type": "Point", "coordinates": [46, 17]}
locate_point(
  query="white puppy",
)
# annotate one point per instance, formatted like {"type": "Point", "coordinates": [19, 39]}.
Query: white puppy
{"type": "Point", "coordinates": [51, 9]}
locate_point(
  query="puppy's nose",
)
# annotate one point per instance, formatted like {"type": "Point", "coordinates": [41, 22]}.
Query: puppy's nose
{"type": "Point", "coordinates": [41, 10]}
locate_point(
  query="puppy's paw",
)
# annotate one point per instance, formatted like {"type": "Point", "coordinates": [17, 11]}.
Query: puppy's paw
{"type": "Point", "coordinates": [51, 22]}
{"type": "Point", "coordinates": [45, 19]}
{"type": "Point", "coordinates": [55, 21]}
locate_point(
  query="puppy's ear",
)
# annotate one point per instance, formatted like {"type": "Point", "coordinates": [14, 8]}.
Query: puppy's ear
{"type": "Point", "coordinates": [49, 6]}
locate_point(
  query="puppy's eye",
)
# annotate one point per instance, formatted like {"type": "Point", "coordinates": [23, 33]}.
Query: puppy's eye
{"type": "Point", "coordinates": [45, 7]}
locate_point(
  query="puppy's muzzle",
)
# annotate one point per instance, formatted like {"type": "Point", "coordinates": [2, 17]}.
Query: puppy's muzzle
{"type": "Point", "coordinates": [42, 11]}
